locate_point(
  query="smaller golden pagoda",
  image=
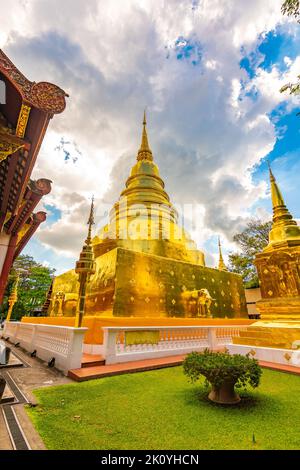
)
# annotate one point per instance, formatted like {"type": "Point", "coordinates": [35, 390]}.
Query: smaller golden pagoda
{"type": "Point", "coordinates": [278, 267]}
{"type": "Point", "coordinates": [85, 266]}
{"type": "Point", "coordinates": [221, 266]}
{"type": "Point", "coordinates": [13, 298]}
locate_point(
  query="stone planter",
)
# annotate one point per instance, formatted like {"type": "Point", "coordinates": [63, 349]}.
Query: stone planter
{"type": "Point", "coordinates": [225, 394]}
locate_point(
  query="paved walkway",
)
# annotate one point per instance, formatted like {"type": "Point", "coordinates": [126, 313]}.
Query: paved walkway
{"type": "Point", "coordinates": [35, 374]}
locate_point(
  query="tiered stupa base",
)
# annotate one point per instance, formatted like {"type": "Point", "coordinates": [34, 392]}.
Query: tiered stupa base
{"type": "Point", "coordinates": [277, 342]}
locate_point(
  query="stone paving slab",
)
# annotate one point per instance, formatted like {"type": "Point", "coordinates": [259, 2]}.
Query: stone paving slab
{"type": "Point", "coordinates": [5, 442]}
{"type": "Point", "coordinates": [34, 375]}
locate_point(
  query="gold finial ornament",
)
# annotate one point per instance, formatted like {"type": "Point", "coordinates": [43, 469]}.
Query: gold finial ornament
{"type": "Point", "coordinates": [284, 227]}
{"type": "Point", "coordinates": [90, 222]}
{"type": "Point", "coordinates": [145, 152]}
{"type": "Point", "coordinates": [85, 267]}
{"type": "Point", "coordinates": [13, 298]}
{"type": "Point", "coordinates": [222, 265]}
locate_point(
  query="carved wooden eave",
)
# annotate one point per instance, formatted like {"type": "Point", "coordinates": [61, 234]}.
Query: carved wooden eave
{"type": "Point", "coordinates": [34, 193]}
{"type": "Point", "coordinates": [43, 95]}
{"type": "Point", "coordinates": [25, 114]}
{"type": "Point", "coordinates": [33, 224]}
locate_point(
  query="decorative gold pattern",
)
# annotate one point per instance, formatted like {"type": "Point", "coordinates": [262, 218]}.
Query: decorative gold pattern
{"type": "Point", "coordinates": [23, 120]}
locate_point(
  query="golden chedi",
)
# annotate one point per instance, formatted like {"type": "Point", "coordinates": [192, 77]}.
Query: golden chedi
{"type": "Point", "coordinates": [278, 268]}
{"type": "Point", "coordinates": [146, 265]}
{"type": "Point", "coordinates": [278, 265]}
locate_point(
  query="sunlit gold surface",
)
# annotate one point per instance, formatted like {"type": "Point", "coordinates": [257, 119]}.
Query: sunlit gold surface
{"type": "Point", "coordinates": [278, 269]}
{"type": "Point", "coordinates": [12, 299]}
{"type": "Point", "coordinates": [9, 142]}
{"type": "Point", "coordinates": [285, 232]}
{"type": "Point", "coordinates": [278, 265]}
{"type": "Point", "coordinates": [146, 264]}
{"type": "Point", "coordinates": [23, 120]}
{"type": "Point", "coordinates": [85, 266]}
{"type": "Point", "coordinates": [270, 334]}
{"type": "Point", "coordinates": [221, 265]}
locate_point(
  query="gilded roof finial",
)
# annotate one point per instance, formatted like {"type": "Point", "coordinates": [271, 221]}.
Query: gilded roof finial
{"type": "Point", "coordinates": [284, 228]}
{"type": "Point", "coordinates": [144, 152]}
{"type": "Point", "coordinates": [90, 222]}
{"type": "Point", "coordinates": [222, 265]}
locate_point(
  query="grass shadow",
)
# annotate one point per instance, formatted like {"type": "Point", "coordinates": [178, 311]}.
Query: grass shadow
{"type": "Point", "coordinates": [249, 400]}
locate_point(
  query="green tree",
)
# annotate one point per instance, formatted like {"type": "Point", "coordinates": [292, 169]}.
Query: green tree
{"type": "Point", "coordinates": [292, 8]}
{"type": "Point", "coordinates": [35, 280]}
{"type": "Point", "coordinates": [251, 241]}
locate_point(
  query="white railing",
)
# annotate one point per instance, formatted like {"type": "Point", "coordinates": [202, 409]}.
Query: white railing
{"type": "Point", "coordinates": [63, 343]}
{"type": "Point", "coordinates": [169, 341]}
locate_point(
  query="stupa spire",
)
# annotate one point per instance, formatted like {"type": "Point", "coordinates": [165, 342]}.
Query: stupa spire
{"type": "Point", "coordinates": [277, 199]}
{"type": "Point", "coordinates": [144, 152]}
{"type": "Point", "coordinates": [90, 222]}
{"type": "Point", "coordinates": [284, 227]}
{"type": "Point", "coordinates": [85, 267]}
{"type": "Point", "coordinates": [222, 265]}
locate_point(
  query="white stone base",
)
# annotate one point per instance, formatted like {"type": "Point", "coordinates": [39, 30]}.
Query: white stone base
{"type": "Point", "coordinates": [278, 356]}
{"type": "Point", "coordinates": [95, 349]}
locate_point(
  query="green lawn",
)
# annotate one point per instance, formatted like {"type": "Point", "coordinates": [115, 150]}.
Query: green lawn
{"type": "Point", "coordinates": [161, 410]}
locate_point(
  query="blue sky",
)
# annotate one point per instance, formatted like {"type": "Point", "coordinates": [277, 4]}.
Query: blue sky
{"type": "Point", "coordinates": [209, 73]}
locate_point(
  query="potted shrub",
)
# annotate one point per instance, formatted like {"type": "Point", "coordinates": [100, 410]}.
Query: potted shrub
{"type": "Point", "coordinates": [223, 372]}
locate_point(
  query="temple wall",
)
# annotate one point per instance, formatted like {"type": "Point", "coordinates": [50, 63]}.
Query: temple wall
{"type": "Point", "coordinates": [133, 284]}
{"type": "Point", "coordinates": [153, 286]}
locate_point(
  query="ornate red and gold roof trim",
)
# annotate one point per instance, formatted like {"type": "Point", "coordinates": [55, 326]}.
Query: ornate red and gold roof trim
{"type": "Point", "coordinates": [43, 95]}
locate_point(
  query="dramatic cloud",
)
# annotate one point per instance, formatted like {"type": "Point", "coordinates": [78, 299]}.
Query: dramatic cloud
{"type": "Point", "coordinates": [209, 120]}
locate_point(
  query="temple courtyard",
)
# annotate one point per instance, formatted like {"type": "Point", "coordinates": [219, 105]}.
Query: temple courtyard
{"type": "Point", "coordinates": [156, 409]}
{"type": "Point", "coordinates": [161, 410]}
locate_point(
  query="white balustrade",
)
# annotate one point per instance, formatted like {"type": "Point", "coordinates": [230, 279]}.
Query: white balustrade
{"type": "Point", "coordinates": [63, 343]}
{"type": "Point", "coordinates": [172, 341]}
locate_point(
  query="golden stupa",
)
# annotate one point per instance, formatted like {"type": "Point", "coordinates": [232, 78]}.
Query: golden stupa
{"type": "Point", "coordinates": [278, 267]}
{"type": "Point", "coordinates": [146, 265]}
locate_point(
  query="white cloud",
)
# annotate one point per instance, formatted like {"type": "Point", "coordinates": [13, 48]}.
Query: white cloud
{"type": "Point", "coordinates": [116, 57]}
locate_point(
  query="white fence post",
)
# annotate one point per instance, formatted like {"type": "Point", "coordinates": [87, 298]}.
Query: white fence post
{"type": "Point", "coordinates": [109, 341]}
{"type": "Point", "coordinates": [74, 358]}
{"type": "Point", "coordinates": [212, 338]}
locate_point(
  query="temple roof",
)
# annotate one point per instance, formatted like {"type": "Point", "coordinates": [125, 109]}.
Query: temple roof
{"type": "Point", "coordinates": [25, 113]}
{"type": "Point", "coordinates": [43, 95]}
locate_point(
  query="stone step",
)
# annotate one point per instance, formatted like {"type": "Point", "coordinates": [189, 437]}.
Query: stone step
{"type": "Point", "coordinates": [254, 334]}
{"type": "Point", "coordinates": [98, 372]}
{"type": "Point", "coordinates": [92, 360]}
{"type": "Point", "coordinates": [259, 342]}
